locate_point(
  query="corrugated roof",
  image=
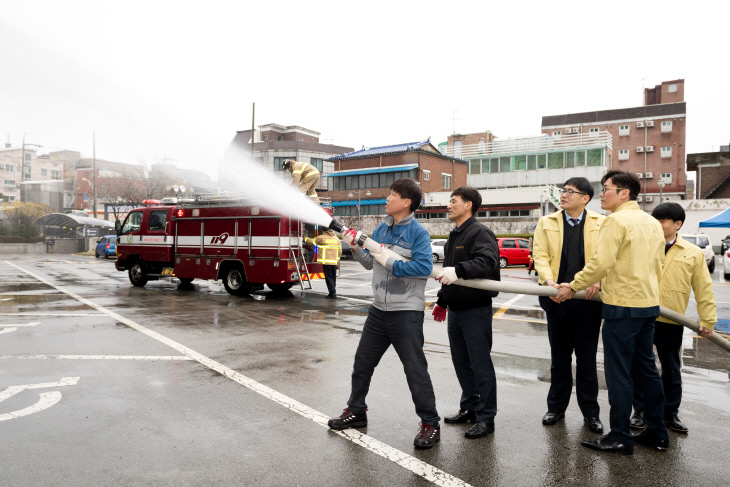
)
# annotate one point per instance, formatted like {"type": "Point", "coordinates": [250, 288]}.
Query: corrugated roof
{"type": "Point", "coordinates": [386, 149]}
{"type": "Point", "coordinates": [665, 109]}
{"type": "Point", "coordinates": [72, 220]}
{"type": "Point", "coordinates": [372, 170]}
{"type": "Point", "coordinates": [362, 202]}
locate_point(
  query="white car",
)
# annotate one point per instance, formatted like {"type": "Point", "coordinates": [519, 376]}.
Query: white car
{"type": "Point", "coordinates": [437, 249]}
{"type": "Point", "coordinates": [703, 241]}
{"type": "Point", "coordinates": [726, 264]}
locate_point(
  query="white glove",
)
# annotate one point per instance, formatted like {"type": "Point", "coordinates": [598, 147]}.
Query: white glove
{"type": "Point", "coordinates": [382, 257]}
{"type": "Point", "coordinates": [447, 275]}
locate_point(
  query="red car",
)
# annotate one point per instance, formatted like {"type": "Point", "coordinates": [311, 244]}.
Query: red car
{"type": "Point", "coordinates": [513, 251]}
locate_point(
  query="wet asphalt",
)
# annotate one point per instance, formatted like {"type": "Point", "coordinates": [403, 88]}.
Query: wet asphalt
{"type": "Point", "coordinates": [144, 413]}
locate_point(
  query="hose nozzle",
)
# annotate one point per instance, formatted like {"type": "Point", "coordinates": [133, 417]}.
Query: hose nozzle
{"type": "Point", "coordinates": [337, 226]}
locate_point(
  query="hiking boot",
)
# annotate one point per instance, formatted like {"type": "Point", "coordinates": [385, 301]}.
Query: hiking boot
{"type": "Point", "coordinates": [348, 419]}
{"type": "Point", "coordinates": [427, 436]}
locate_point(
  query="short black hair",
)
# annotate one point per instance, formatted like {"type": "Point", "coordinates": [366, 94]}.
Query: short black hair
{"type": "Point", "coordinates": [469, 194]}
{"type": "Point", "coordinates": [669, 211]}
{"type": "Point", "coordinates": [624, 180]}
{"type": "Point", "coordinates": [408, 189]}
{"type": "Point", "coordinates": [581, 184]}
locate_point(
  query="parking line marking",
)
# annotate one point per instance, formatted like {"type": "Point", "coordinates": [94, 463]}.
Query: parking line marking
{"type": "Point", "coordinates": [59, 315]}
{"type": "Point", "coordinates": [506, 306]}
{"type": "Point", "coordinates": [99, 357]}
{"type": "Point", "coordinates": [419, 467]}
{"type": "Point", "coordinates": [3, 325]}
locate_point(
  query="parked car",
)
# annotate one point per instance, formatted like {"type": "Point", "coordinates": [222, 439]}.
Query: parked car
{"type": "Point", "coordinates": [726, 264]}
{"type": "Point", "coordinates": [437, 249]}
{"type": "Point", "coordinates": [106, 246]}
{"type": "Point", "coordinates": [703, 241]}
{"type": "Point", "coordinates": [725, 245]}
{"type": "Point", "coordinates": [513, 251]}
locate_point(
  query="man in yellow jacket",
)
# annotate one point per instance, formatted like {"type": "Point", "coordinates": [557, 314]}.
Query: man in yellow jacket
{"type": "Point", "coordinates": [684, 270]}
{"type": "Point", "coordinates": [628, 261]}
{"type": "Point", "coordinates": [563, 243]}
{"type": "Point", "coordinates": [329, 252]}
{"type": "Point", "coordinates": [305, 177]}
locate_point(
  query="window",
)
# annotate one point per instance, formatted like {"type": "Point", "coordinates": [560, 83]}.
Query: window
{"type": "Point", "coordinates": [301, 139]}
{"type": "Point", "coordinates": [531, 162]}
{"type": "Point", "coordinates": [481, 214]}
{"type": "Point", "coordinates": [157, 220]}
{"type": "Point", "coordinates": [580, 159]}
{"type": "Point", "coordinates": [666, 127]}
{"type": "Point", "coordinates": [266, 137]}
{"type": "Point", "coordinates": [666, 177]}
{"type": "Point", "coordinates": [520, 163]}
{"type": "Point", "coordinates": [44, 172]}
{"type": "Point", "coordinates": [278, 161]}
{"type": "Point", "coordinates": [485, 166]}
{"type": "Point", "coordinates": [278, 137]}
{"type": "Point", "coordinates": [623, 155]}
{"type": "Point", "coordinates": [570, 159]}
{"type": "Point", "coordinates": [555, 160]}
{"type": "Point", "coordinates": [27, 157]}
{"type": "Point", "coordinates": [57, 175]}
{"type": "Point", "coordinates": [9, 168]}
{"type": "Point", "coordinates": [132, 223]}
{"type": "Point", "coordinates": [623, 130]}
{"type": "Point", "coordinates": [426, 175]}
{"type": "Point", "coordinates": [508, 243]}
{"type": "Point", "coordinates": [494, 165]}
{"type": "Point", "coordinates": [556, 132]}
{"type": "Point", "coordinates": [672, 88]}
{"type": "Point", "coordinates": [505, 164]}
{"type": "Point", "coordinates": [317, 162]}
{"type": "Point", "coordinates": [9, 182]}
{"type": "Point", "coordinates": [475, 166]}
{"type": "Point", "coordinates": [666, 152]}
{"type": "Point", "coordinates": [457, 148]}
{"type": "Point", "coordinates": [594, 157]}
{"type": "Point", "coordinates": [541, 161]}
{"type": "Point", "coordinates": [593, 130]}
{"type": "Point", "coordinates": [524, 244]}
{"type": "Point", "coordinates": [446, 181]}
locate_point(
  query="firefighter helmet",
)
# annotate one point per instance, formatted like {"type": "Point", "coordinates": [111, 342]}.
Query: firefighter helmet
{"type": "Point", "coordinates": [286, 164]}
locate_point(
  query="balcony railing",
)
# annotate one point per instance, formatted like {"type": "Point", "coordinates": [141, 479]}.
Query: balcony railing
{"type": "Point", "coordinates": [527, 145]}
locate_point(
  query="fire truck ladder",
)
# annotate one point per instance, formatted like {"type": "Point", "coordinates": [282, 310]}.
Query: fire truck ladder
{"type": "Point", "coordinates": [299, 262]}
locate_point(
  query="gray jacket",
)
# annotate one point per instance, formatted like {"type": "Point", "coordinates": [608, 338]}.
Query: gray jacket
{"type": "Point", "coordinates": [400, 285]}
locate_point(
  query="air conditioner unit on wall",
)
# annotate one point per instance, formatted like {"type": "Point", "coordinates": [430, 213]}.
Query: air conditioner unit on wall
{"type": "Point", "coordinates": [649, 148]}
{"type": "Point", "coordinates": [640, 125]}
{"type": "Point", "coordinates": [576, 130]}
{"type": "Point", "coordinates": [650, 123]}
{"type": "Point", "coordinates": [639, 199]}
{"type": "Point", "coordinates": [649, 199]}
{"type": "Point", "coordinates": [640, 175]}
{"type": "Point", "coordinates": [649, 175]}
{"type": "Point", "coordinates": [639, 149]}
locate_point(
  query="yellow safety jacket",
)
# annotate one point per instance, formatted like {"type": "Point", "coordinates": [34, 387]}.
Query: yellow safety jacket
{"type": "Point", "coordinates": [628, 259]}
{"type": "Point", "coordinates": [685, 269]}
{"type": "Point", "coordinates": [301, 170]}
{"type": "Point", "coordinates": [328, 248]}
{"type": "Point", "coordinates": [548, 242]}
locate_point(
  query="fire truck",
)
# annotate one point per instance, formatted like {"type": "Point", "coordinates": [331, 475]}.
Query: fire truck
{"type": "Point", "coordinates": [245, 246]}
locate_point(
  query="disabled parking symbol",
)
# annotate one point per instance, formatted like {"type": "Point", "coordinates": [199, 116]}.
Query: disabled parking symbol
{"type": "Point", "coordinates": [47, 399]}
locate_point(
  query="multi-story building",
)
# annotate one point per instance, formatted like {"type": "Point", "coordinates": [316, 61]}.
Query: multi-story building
{"type": "Point", "coordinates": [361, 179]}
{"type": "Point", "coordinates": [712, 173]}
{"type": "Point", "coordinates": [274, 143]}
{"type": "Point", "coordinates": [648, 140]}
{"type": "Point", "coordinates": [14, 172]}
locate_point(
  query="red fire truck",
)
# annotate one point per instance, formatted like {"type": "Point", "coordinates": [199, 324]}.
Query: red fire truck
{"type": "Point", "coordinates": [245, 246]}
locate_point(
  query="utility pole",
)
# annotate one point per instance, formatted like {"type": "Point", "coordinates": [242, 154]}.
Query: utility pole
{"type": "Point", "coordinates": [253, 125]}
{"type": "Point", "coordinates": [93, 189]}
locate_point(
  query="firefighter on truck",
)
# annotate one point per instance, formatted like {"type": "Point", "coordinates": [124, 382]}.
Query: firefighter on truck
{"type": "Point", "coordinates": [305, 177]}
{"type": "Point", "coordinates": [328, 250]}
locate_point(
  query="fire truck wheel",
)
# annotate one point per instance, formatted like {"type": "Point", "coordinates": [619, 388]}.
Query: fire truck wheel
{"type": "Point", "coordinates": [235, 283]}
{"type": "Point", "coordinates": [280, 288]}
{"type": "Point", "coordinates": [138, 274]}
{"type": "Point", "coordinates": [185, 281]}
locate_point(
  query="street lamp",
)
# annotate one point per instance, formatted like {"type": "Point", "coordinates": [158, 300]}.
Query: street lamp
{"type": "Point", "coordinates": [661, 185]}
{"type": "Point", "coordinates": [350, 195]}
{"type": "Point", "coordinates": [93, 190]}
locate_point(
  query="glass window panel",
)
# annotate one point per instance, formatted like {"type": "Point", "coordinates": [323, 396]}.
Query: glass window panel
{"type": "Point", "coordinates": [520, 163]}
{"type": "Point", "coordinates": [337, 183]}
{"type": "Point", "coordinates": [595, 157]}
{"type": "Point", "coordinates": [524, 244]}
{"type": "Point", "coordinates": [485, 166]}
{"type": "Point", "coordinates": [541, 161]}
{"type": "Point", "coordinates": [505, 164]}
{"type": "Point", "coordinates": [555, 160]}
{"type": "Point", "coordinates": [508, 243]}
{"type": "Point", "coordinates": [531, 162]}
{"type": "Point", "coordinates": [570, 159]}
{"type": "Point", "coordinates": [494, 165]}
{"type": "Point", "coordinates": [348, 182]}
{"type": "Point", "coordinates": [413, 173]}
{"type": "Point", "coordinates": [389, 179]}
{"type": "Point", "coordinates": [331, 184]}
{"type": "Point", "coordinates": [475, 166]}
{"type": "Point", "coordinates": [580, 158]}
{"type": "Point", "coordinates": [361, 182]}
{"type": "Point", "coordinates": [383, 180]}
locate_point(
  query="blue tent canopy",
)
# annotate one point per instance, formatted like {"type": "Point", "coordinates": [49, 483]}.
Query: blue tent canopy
{"type": "Point", "coordinates": [719, 220]}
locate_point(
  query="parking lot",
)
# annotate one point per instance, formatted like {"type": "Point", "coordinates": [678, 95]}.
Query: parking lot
{"type": "Point", "coordinates": [103, 383]}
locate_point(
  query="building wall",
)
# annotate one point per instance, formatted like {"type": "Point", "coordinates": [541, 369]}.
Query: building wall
{"type": "Point", "coordinates": [660, 93]}
{"type": "Point", "coordinates": [469, 139]}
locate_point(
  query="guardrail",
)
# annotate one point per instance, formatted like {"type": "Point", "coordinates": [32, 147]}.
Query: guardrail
{"type": "Point", "coordinates": [526, 145]}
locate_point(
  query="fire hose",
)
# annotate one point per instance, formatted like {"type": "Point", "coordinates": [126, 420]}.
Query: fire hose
{"type": "Point", "coordinates": [520, 288]}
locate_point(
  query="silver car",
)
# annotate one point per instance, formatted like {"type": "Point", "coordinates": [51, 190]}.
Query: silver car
{"type": "Point", "coordinates": [437, 249]}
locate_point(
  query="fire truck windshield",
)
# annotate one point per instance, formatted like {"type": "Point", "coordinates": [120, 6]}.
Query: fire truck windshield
{"type": "Point", "coordinates": [132, 223]}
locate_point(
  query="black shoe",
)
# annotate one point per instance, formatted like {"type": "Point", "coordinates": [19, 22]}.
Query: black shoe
{"type": "Point", "coordinates": [331, 296]}
{"type": "Point", "coordinates": [463, 416]}
{"type": "Point", "coordinates": [480, 430]}
{"type": "Point", "coordinates": [348, 420]}
{"type": "Point", "coordinates": [637, 420]}
{"type": "Point", "coordinates": [609, 445]}
{"type": "Point", "coordinates": [552, 417]}
{"type": "Point", "coordinates": [646, 440]}
{"type": "Point", "coordinates": [427, 436]}
{"type": "Point", "coordinates": [594, 424]}
{"type": "Point", "coordinates": [674, 424]}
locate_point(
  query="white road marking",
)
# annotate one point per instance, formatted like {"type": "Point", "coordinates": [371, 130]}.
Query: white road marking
{"type": "Point", "coordinates": [506, 305]}
{"type": "Point", "coordinates": [21, 324]}
{"type": "Point", "coordinates": [7, 330]}
{"type": "Point", "coordinates": [354, 274]}
{"type": "Point", "coordinates": [419, 467]}
{"type": "Point", "coordinates": [99, 357]}
{"type": "Point", "coordinates": [46, 400]}
{"type": "Point", "coordinates": [58, 315]}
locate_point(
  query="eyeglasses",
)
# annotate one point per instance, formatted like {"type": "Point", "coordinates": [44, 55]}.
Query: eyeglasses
{"type": "Point", "coordinates": [606, 189]}
{"type": "Point", "coordinates": [571, 192]}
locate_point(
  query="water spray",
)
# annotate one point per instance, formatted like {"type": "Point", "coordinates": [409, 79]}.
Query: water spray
{"type": "Point", "coordinates": [521, 288]}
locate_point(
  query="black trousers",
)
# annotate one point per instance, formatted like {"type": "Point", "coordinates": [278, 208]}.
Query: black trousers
{"type": "Point", "coordinates": [470, 338]}
{"type": "Point", "coordinates": [403, 330]}
{"type": "Point", "coordinates": [330, 277]}
{"type": "Point", "coordinates": [668, 341]}
{"type": "Point", "coordinates": [573, 326]}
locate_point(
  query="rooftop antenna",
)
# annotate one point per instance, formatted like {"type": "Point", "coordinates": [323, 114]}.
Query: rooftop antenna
{"type": "Point", "coordinates": [453, 121]}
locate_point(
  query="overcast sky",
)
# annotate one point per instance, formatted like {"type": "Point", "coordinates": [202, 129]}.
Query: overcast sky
{"type": "Point", "coordinates": [170, 80]}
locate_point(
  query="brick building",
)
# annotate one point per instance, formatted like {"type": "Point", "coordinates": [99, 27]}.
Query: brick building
{"type": "Point", "coordinates": [648, 140]}
{"type": "Point", "coordinates": [374, 169]}
{"type": "Point", "coordinates": [713, 173]}
{"type": "Point", "coordinates": [274, 143]}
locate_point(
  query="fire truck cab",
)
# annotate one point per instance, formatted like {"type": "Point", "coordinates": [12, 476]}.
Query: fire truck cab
{"type": "Point", "coordinates": [244, 246]}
